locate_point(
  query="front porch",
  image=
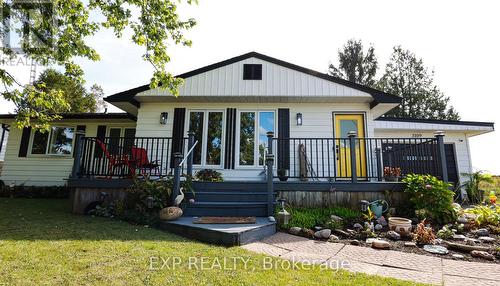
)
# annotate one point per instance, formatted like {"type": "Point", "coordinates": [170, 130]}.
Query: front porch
{"type": "Point", "coordinates": [318, 171]}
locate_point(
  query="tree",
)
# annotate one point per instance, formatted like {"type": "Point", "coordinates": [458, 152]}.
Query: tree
{"type": "Point", "coordinates": [355, 65]}
{"type": "Point", "coordinates": [405, 75]}
{"type": "Point", "coordinates": [55, 33]}
{"type": "Point", "coordinates": [98, 94]}
{"type": "Point", "coordinates": [74, 93]}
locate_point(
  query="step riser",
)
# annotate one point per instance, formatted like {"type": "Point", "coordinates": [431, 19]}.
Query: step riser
{"type": "Point", "coordinates": [208, 211]}
{"type": "Point", "coordinates": [230, 186]}
{"type": "Point", "coordinates": [201, 197]}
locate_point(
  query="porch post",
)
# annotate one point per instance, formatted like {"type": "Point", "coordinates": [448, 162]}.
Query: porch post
{"type": "Point", "coordinates": [78, 157]}
{"type": "Point", "coordinates": [177, 176]}
{"type": "Point", "coordinates": [441, 154]}
{"type": "Point", "coordinates": [378, 156]}
{"type": "Point", "coordinates": [352, 147]}
{"type": "Point", "coordinates": [190, 156]}
{"type": "Point", "coordinates": [270, 190]}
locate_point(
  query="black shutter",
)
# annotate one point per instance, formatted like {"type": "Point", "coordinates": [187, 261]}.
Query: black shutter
{"type": "Point", "coordinates": [451, 163]}
{"type": "Point", "coordinates": [283, 132]}
{"type": "Point", "coordinates": [229, 153]}
{"type": "Point", "coordinates": [177, 133]}
{"type": "Point", "coordinates": [101, 135]}
{"type": "Point", "coordinates": [25, 141]}
{"type": "Point", "coordinates": [80, 132]}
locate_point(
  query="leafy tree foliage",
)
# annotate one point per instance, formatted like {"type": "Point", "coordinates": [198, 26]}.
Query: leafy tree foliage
{"type": "Point", "coordinates": [355, 65]}
{"type": "Point", "coordinates": [405, 75]}
{"type": "Point", "coordinates": [57, 35]}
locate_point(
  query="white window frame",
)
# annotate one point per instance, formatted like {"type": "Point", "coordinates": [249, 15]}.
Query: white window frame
{"type": "Point", "coordinates": [47, 147]}
{"type": "Point", "coordinates": [205, 134]}
{"type": "Point", "coordinates": [256, 137]}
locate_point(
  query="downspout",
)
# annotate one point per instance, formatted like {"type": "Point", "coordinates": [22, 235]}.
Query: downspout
{"type": "Point", "coordinates": [5, 127]}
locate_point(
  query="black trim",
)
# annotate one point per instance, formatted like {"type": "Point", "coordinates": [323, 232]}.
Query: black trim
{"type": "Point", "coordinates": [25, 140]}
{"type": "Point", "coordinates": [283, 132]}
{"type": "Point", "coordinates": [229, 153]}
{"type": "Point", "coordinates": [80, 132]}
{"type": "Point", "coordinates": [378, 96]}
{"type": "Point", "coordinates": [84, 116]}
{"type": "Point", "coordinates": [177, 133]}
{"type": "Point", "coordinates": [101, 135]}
{"type": "Point", "coordinates": [438, 121]}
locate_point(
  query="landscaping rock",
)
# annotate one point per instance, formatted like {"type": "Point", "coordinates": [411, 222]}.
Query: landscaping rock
{"type": "Point", "coordinates": [410, 244]}
{"type": "Point", "coordinates": [436, 249]}
{"type": "Point", "coordinates": [357, 226]}
{"type": "Point", "coordinates": [393, 235]}
{"type": "Point", "coordinates": [380, 244]}
{"type": "Point", "coordinates": [381, 220]}
{"type": "Point", "coordinates": [336, 218]}
{"type": "Point", "coordinates": [482, 232]}
{"type": "Point", "coordinates": [464, 247]}
{"type": "Point", "coordinates": [460, 237]}
{"type": "Point", "coordinates": [170, 213]}
{"type": "Point", "coordinates": [354, 242]}
{"type": "Point", "coordinates": [324, 233]}
{"type": "Point", "coordinates": [307, 232]}
{"type": "Point", "coordinates": [458, 256]}
{"type": "Point", "coordinates": [317, 228]}
{"type": "Point", "coordinates": [462, 220]}
{"type": "Point", "coordinates": [351, 231]}
{"type": "Point", "coordinates": [295, 230]}
{"type": "Point", "coordinates": [272, 219]}
{"type": "Point", "coordinates": [369, 241]}
{"type": "Point", "coordinates": [482, 254]}
{"type": "Point", "coordinates": [333, 238]}
{"type": "Point", "coordinates": [378, 226]}
{"type": "Point", "coordinates": [487, 239]}
{"type": "Point", "coordinates": [341, 232]}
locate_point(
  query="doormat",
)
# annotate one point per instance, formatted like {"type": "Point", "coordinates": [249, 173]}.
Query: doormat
{"type": "Point", "coordinates": [224, 220]}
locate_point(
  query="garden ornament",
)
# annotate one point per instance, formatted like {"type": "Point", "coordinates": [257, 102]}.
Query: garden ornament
{"type": "Point", "coordinates": [283, 215]}
{"type": "Point", "coordinates": [378, 207]}
{"type": "Point", "coordinates": [179, 198]}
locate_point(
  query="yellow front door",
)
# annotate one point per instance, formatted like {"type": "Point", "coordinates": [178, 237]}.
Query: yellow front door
{"type": "Point", "coordinates": [345, 123]}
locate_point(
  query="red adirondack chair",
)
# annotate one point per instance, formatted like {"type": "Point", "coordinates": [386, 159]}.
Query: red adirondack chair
{"type": "Point", "coordinates": [114, 160]}
{"type": "Point", "coordinates": [140, 160]}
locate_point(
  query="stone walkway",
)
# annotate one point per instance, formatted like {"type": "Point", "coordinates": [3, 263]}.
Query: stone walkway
{"type": "Point", "coordinates": [388, 263]}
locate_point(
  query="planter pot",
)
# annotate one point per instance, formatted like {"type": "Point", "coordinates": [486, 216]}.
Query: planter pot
{"type": "Point", "coordinates": [391, 179]}
{"type": "Point", "coordinates": [283, 178]}
{"type": "Point", "coordinates": [400, 225]}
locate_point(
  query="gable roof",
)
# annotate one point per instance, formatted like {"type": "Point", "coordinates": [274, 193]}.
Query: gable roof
{"type": "Point", "coordinates": [378, 96]}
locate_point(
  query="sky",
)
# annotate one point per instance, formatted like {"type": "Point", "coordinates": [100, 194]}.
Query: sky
{"type": "Point", "coordinates": [459, 40]}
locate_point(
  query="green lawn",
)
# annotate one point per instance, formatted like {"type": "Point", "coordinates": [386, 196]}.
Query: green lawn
{"type": "Point", "coordinates": [42, 243]}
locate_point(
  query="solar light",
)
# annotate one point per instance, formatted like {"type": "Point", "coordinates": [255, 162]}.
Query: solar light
{"type": "Point", "coordinates": [149, 202]}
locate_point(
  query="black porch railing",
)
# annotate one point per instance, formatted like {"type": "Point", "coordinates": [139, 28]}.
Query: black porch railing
{"type": "Point", "coordinates": [122, 157]}
{"type": "Point", "coordinates": [357, 158]}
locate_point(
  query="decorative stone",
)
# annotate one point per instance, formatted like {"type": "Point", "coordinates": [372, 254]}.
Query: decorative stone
{"type": "Point", "coordinates": [438, 241]}
{"type": "Point", "coordinates": [295, 230]}
{"type": "Point", "coordinates": [458, 256]}
{"type": "Point", "coordinates": [482, 254]}
{"type": "Point", "coordinates": [271, 219]}
{"type": "Point", "coordinates": [471, 241]}
{"type": "Point", "coordinates": [307, 232]}
{"type": "Point", "coordinates": [393, 235]}
{"type": "Point", "coordinates": [482, 232]}
{"type": "Point", "coordinates": [341, 232]}
{"type": "Point", "coordinates": [382, 221]}
{"type": "Point", "coordinates": [436, 249]}
{"type": "Point", "coordinates": [486, 239]}
{"type": "Point", "coordinates": [317, 228]}
{"type": "Point", "coordinates": [351, 231]}
{"type": "Point", "coordinates": [354, 242]}
{"type": "Point", "coordinates": [324, 233]}
{"type": "Point", "coordinates": [336, 218]}
{"type": "Point", "coordinates": [170, 213]}
{"type": "Point", "coordinates": [378, 226]}
{"type": "Point", "coordinates": [380, 244]}
{"type": "Point", "coordinates": [357, 226]}
{"type": "Point", "coordinates": [462, 220]}
{"type": "Point", "coordinates": [460, 237]}
{"type": "Point", "coordinates": [333, 238]}
{"type": "Point", "coordinates": [410, 244]}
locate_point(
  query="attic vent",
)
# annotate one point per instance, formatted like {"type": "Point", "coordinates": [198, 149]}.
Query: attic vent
{"type": "Point", "coordinates": [252, 72]}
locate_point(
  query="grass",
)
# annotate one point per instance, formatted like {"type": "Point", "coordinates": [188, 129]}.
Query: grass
{"type": "Point", "coordinates": [41, 243]}
{"type": "Point", "coordinates": [311, 217]}
{"type": "Point", "coordinates": [487, 187]}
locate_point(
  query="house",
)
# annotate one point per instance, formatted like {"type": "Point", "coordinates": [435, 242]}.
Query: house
{"type": "Point", "coordinates": [327, 133]}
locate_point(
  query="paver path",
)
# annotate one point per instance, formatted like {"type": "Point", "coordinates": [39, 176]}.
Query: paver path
{"type": "Point", "coordinates": [395, 264]}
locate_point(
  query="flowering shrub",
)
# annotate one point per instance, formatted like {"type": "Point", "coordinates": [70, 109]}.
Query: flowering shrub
{"type": "Point", "coordinates": [431, 198]}
{"type": "Point", "coordinates": [392, 172]}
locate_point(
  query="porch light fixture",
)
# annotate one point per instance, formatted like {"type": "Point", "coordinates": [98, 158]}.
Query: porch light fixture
{"type": "Point", "coordinates": [299, 119]}
{"type": "Point", "coordinates": [163, 118]}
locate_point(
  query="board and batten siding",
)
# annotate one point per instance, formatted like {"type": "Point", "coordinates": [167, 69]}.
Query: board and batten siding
{"type": "Point", "coordinates": [276, 80]}
{"type": "Point", "coordinates": [44, 170]}
{"type": "Point", "coordinates": [317, 123]}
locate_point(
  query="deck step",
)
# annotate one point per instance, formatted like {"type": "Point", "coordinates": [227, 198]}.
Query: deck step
{"type": "Point", "coordinates": [228, 196]}
{"type": "Point", "coordinates": [226, 209]}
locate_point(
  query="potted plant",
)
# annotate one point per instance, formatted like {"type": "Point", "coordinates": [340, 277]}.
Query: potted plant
{"type": "Point", "coordinates": [392, 174]}
{"type": "Point", "coordinates": [283, 174]}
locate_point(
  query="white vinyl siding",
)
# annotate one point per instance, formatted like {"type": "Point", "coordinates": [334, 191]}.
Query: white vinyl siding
{"type": "Point", "coordinates": [44, 170]}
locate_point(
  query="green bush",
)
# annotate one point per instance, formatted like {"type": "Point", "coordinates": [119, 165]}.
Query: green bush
{"type": "Point", "coordinates": [208, 175]}
{"type": "Point", "coordinates": [431, 198]}
{"type": "Point", "coordinates": [311, 217]}
{"type": "Point", "coordinates": [486, 216]}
